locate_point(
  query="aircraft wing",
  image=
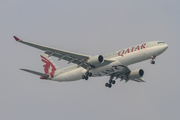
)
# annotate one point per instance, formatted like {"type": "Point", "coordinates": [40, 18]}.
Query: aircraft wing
{"type": "Point", "coordinates": [71, 57]}
{"type": "Point", "coordinates": [61, 54]}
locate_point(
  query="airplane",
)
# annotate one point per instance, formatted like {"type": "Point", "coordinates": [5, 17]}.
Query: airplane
{"type": "Point", "coordinates": [115, 65]}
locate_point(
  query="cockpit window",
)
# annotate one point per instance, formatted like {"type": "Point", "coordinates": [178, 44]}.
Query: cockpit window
{"type": "Point", "coordinates": [160, 42]}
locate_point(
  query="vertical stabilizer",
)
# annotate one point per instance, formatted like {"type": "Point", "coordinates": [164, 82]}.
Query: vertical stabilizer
{"type": "Point", "coordinates": [49, 65]}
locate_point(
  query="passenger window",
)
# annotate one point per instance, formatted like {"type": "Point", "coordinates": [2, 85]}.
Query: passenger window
{"type": "Point", "coordinates": [160, 42]}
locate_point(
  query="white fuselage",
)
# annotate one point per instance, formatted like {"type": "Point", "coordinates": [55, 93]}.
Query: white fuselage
{"type": "Point", "coordinates": [121, 59]}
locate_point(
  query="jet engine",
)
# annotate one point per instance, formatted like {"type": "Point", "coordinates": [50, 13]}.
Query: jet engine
{"type": "Point", "coordinates": [136, 74]}
{"type": "Point", "coordinates": [98, 59]}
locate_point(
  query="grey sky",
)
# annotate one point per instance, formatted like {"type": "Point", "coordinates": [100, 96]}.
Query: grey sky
{"type": "Point", "coordinates": [88, 27]}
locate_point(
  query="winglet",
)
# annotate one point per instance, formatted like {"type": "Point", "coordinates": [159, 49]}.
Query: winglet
{"type": "Point", "coordinates": [16, 38]}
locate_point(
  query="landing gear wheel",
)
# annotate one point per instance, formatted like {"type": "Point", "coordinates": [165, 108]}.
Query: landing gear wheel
{"type": "Point", "coordinates": [110, 81]}
{"type": "Point", "coordinates": [87, 73]}
{"type": "Point", "coordinates": [113, 82]}
{"type": "Point", "coordinates": [110, 86]}
{"type": "Point", "coordinates": [90, 74]}
{"type": "Point", "coordinates": [107, 84]}
{"type": "Point", "coordinates": [152, 62]}
{"type": "Point", "coordinates": [86, 78]}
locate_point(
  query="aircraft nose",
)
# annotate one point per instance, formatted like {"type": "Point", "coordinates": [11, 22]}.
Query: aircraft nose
{"type": "Point", "coordinates": [162, 48]}
{"type": "Point", "coordinates": [165, 46]}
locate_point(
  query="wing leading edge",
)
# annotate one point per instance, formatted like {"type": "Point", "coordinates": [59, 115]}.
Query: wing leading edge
{"type": "Point", "coordinates": [71, 57]}
{"type": "Point", "coordinates": [79, 59]}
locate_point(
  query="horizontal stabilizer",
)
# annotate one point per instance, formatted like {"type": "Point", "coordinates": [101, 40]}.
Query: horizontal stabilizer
{"type": "Point", "coordinates": [36, 73]}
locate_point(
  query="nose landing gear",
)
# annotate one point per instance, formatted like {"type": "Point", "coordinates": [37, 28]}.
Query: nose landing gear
{"type": "Point", "coordinates": [152, 61]}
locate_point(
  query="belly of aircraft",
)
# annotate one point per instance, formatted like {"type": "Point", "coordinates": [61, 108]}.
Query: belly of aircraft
{"type": "Point", "coordinates": [108, 69]}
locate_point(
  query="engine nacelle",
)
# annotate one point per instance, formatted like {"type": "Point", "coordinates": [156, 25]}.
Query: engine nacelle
{"type": "Point", "coordinates": [135, 74]}
{"type": "Point", "coordinates": [98, 59]}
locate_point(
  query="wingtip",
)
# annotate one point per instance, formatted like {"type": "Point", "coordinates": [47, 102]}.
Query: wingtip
{"type": "Point", "coordinates": [16, 38]}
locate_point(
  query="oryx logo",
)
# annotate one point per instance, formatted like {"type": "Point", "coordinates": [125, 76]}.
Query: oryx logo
{"type": "Point", "coordinates": [49, 68]}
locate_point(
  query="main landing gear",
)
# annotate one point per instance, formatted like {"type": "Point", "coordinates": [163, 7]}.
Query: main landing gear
{"type": "Point", "coordinates": [87, 75]}
{"type": "Point", "coordinates": [110, 83]}
{"type": "Point", "coordinates": [152, 61]}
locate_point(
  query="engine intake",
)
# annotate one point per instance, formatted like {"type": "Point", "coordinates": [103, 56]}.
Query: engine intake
{"type": "Point", "coordinates": [135, 74]}
{"type": "Point", "coordinates": [98, 59]}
